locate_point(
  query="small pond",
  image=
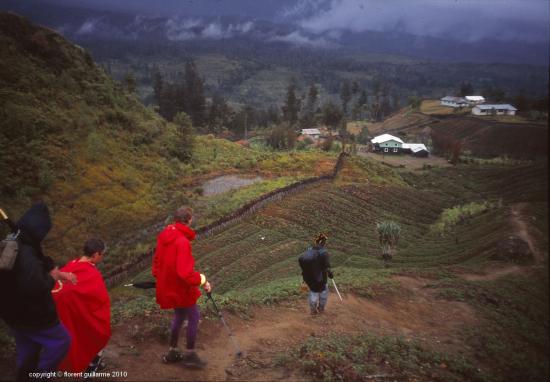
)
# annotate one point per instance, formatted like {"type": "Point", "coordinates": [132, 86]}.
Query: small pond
{"type": "Point", "coordinates": [226, 183]}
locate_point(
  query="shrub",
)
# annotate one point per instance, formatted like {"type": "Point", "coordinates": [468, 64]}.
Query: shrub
{"type": "Point", "coordinates": [457, 214]}
{"type": "Point", "coordinates": [364, 136]}
{"type": "Point", "coordinates": [185, 137]}
{"type": "Point", "coordinates": [282, 138]}
{"type": "Point", "coordinates": [388, 236]}
{"type": "Point", "coordinates": [326, 145]}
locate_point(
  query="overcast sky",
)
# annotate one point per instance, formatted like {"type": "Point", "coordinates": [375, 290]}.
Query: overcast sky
{"type": "Point", "coordinates": [461, 19]}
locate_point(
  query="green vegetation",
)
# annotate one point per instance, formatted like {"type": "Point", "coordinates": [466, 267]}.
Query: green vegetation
{"type": "Point", "coordinates": [388, 236]}
{"type": "Point", "coordinates": [502, 160]}
{"type": "Point", "coordinates": [352, 358]}
{"type": "Point", "coordinates": [212, 208]}
{"type": "Point", "coordinates": [514, 336]}
{"type": "Point", "coordinates": [458, 214]}
{"type": "Point", "coordinates": [254, 263]}
{"type": "Point", "coordinates": [103, 162]}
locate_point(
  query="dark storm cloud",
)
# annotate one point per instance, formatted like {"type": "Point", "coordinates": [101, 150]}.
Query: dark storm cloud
{"type": "Point", "coordinates": [464, 20]}
{"type": "Point", "coordinates": [256, 8]}
{"type": "Point", "coordinates": [459, 19]}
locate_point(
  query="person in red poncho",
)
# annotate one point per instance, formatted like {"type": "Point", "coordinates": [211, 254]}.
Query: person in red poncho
{"type": "Point", "coordinates": [177, 285]}
{"type": "Point", "coordinates": [84, 309]}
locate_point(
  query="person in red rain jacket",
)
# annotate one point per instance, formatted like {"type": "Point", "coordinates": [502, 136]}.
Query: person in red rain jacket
{"type": "Point", "coordinates": [177, 285]}
{"type": "Point", "coordinates": [85, 309]}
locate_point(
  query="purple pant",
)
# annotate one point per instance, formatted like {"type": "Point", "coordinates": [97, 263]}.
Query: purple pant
{"type": "Point", "coordinates": [193, 315]}
{"type": "Point", "coordinates": [40, 350]}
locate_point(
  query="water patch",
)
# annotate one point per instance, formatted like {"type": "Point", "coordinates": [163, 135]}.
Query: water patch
{"type": "Point", "coordinates": [226, 183]}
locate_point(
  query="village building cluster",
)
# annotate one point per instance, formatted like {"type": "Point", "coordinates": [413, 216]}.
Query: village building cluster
{"type": "Point", "coordinates": [478, 105]}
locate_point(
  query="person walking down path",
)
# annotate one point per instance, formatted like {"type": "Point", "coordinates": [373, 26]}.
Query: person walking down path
{"type": "Point", "coordinates": [315, 267]}
{"type": "Point", "coordinates": [26, 303]}
{"type": "Point", "coordinates": [177, 285]}
{"type": "Point", "coordinates": [85, 309]}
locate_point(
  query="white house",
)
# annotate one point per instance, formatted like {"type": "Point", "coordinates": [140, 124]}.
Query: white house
{"type": "Point", "coordinates": [312, 133]}
{"type": "Point", "coordinates": [453, 101]}
{"type": "Point", "coordinates": [475, 100]}
{"type": "Point", "coordinates": [494, 109]}
{"type": "Point", "coordinates": [387, 143]}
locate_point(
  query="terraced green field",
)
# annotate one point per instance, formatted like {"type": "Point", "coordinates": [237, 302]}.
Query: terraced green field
{"type": "Point", "coordinates": [254, 262]}
{"type": "Point", "coordinates": [264, 248]}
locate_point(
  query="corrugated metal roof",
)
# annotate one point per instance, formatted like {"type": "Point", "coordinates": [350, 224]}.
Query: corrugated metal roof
{"type": "Point", "coordinates": [311, 131]}
{"type": "Point", "coordinates": [385, 138]}
{"type": "Point", "coordinates": [415, 147]}
{"type": "Point", "coordinates": [504, 106]}
{"type": "Point", "coordinates": [475, 98]}
{"type": "Point", "coordinates": [453, 99]}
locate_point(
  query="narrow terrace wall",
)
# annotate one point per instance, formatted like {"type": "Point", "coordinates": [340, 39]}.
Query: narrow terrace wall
{"type": "Point", "coordinates": [144, 260]}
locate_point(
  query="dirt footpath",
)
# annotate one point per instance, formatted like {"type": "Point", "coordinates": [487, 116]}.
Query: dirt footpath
{"type": "Point", "coordinates": [274, 330]}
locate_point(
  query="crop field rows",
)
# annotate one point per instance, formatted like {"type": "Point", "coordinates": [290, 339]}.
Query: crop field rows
{"type": "Point", "coordinates": [265, 247]}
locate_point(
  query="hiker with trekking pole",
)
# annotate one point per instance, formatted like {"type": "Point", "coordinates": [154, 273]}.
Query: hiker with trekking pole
{"type": "Point", "coordinates": [177, 285]}
{"type": "Point", "coordinates": [316, 271]}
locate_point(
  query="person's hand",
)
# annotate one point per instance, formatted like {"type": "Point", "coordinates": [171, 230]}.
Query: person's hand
{"type": "Point", "coordinates": [63, 276]}
{"type": "Point", "coordinates": [68, 276]}
{"type": "Point", "coordinates": [330, 274]}
{"type": "Point", "coordinates": [207, 287]}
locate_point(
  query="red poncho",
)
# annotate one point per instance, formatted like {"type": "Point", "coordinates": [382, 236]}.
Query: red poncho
{"type": "Point", "coordinates": [174, 268]}
{"type": "Point", "coordinates": [85, 310]}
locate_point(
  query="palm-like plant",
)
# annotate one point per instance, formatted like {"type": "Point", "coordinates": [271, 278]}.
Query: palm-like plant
{"type": "Point", "coordinates": [388, 235]}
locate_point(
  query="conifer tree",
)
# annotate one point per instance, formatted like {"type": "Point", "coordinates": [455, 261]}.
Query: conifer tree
{"type": "Point", "coordinates": [157, 86]}
{"type": "Point", "coordinates": [292, 105]}
{"type": "Point", "coordinates": [194, 89]}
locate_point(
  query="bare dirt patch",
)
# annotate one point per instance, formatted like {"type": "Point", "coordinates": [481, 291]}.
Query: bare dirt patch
{"type": "Point", "coordinates": [407, 161]}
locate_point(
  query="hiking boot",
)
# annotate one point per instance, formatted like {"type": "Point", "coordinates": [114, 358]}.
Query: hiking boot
{"type": "Point", "coordinates": [172, 356]}
{"type": "Point", "coordinates": [192, 361]}
{"type": "Point", "coordinates": [314, 311]}
{"type": "Point", "coordinates": [321, 310]}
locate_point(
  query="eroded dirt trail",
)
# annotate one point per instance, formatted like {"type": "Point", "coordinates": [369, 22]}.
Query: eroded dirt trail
{"type": "Point", "coordinates": [273, 330]}
{"type": "Point", "coordinates": [522, 230]}
{"type": "Point", "coordinates": [518, 222]}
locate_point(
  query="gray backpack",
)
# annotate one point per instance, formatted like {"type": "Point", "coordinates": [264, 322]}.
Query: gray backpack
{"type": "Point", "coordinates": [8, 251]}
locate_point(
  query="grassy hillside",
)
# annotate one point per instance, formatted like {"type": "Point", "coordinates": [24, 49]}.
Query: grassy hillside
{"type": "Point", "coordinates": [105, 164]}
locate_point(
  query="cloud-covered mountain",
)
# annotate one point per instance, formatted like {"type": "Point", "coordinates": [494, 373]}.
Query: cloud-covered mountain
{"type": "Point", "coordinates": [465, 20]}
{"type": "Point", "coordinates": [441, 33]}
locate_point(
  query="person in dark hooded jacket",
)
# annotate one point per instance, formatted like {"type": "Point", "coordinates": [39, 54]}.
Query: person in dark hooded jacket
{"type": "Point", "coordinates": [315, 267]}
{"type": "Point", "coordinates": [26, 303]}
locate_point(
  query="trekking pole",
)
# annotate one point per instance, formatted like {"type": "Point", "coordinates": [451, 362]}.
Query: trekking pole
{"type": "Point", "coordinates": [8, 221]}
{"type": "Point", "coordinates": [337, 291]}
{"type": "Point", "coordinates": [235, 344]}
